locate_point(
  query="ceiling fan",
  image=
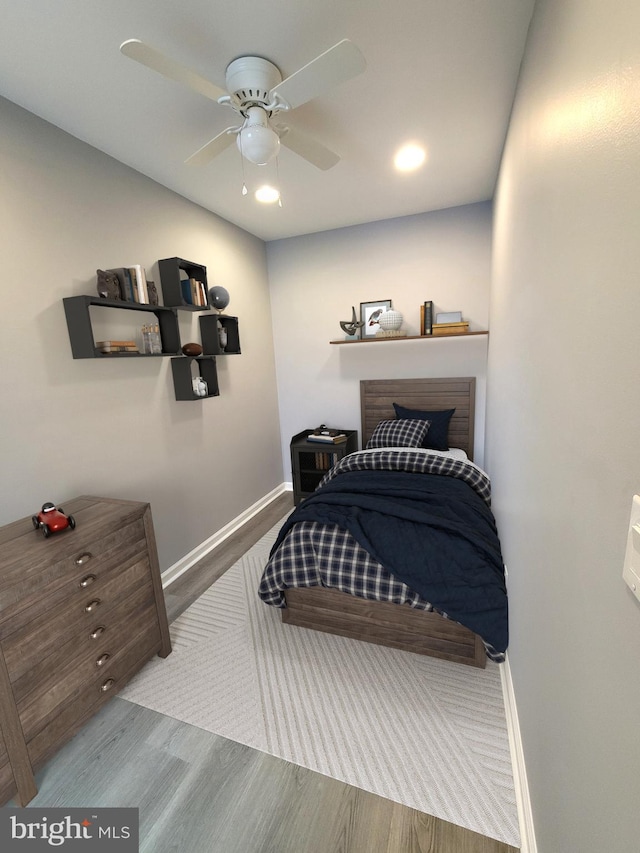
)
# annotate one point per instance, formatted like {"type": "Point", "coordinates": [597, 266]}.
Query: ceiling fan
{"type": "Point", "coordinates": [257, 92]}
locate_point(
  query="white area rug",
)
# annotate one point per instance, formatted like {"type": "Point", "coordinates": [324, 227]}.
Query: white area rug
{"type": "Point", "coordinates": [419, 731]}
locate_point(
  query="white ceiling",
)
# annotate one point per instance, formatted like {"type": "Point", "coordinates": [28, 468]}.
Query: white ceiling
{"type": "Point", "coordinates": [442, 72]}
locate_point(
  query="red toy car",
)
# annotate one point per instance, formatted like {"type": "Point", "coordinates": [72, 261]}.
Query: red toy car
{"type": "Point", "coordinates": [51, 519]}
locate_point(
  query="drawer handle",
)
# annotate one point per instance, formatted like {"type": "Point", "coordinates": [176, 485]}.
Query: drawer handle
{"type": "Point", "coordinates": [108, 684]}
{"type": "Point", "coordinates": [103, 659]}
{"type": "Point", "coordinates": [83, 558]}
{"type": "Point", "coordinates": [92, 605]}
{"type": "Point", "coordinates": [87, 581]}
{"type": "Point", "coordinates": [97, 631]}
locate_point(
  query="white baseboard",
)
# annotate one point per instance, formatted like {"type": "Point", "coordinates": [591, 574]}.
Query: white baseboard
{"type": "Point", "coordinates": [185, 563]}
{"type": "Point", "coordinates": [523, 801]}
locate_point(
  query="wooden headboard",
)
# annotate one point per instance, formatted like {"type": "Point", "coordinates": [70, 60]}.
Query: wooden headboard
{"type": "Point", "coordinates": [377, 397]}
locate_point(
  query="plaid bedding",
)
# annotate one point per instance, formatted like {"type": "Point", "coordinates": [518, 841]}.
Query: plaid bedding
{"type": "Point", "coordinates": [414, 461]}
{"type": "Point", "coordinates": [316, 554]}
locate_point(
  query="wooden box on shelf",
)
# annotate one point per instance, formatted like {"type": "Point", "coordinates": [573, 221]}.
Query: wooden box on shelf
{"type": "Point", "coordinates": [211, 328]}
{"type": "Point", "coordinates": [439, 329]}
{"type": "Point", "coordinates": [182, 369]}
{"type": "Point", "coordinates": [178, 291]}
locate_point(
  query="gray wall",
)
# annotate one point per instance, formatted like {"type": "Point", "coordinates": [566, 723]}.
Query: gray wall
{"type": "Point", "coordinates": [563, 413]}
{"type": "Point", "coordinates": [315, 279]}
{"type": "Point", "coordinates": [114, 428]}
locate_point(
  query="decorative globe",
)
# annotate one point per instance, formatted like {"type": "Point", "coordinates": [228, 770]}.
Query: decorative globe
{"type": "Point", "coordinates": [390, 320]}
{"type": "Point", "coordinates": [218, 297]}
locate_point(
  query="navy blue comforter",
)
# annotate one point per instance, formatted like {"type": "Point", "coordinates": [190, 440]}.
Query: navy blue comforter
{"type": "Point", "coordinates": [433, 532]}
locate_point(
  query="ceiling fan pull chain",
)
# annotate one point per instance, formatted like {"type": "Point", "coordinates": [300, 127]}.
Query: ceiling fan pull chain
{"type": "Point", "coordinates": [278, 181]}
{"type": "Point", "coordinates": [244, 185]}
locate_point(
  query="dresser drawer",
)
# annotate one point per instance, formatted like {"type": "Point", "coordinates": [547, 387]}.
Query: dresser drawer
{"type": "Point", "coordinates": [81, 612]}
{"type": "Point", "coordinates": [81, 571]}
{"type": "Point", "coordinates": [88, 668]}
{"type": "Point", "coordinates": [69, 719]}
{"type": "Point", "coordinates": [104, 635]}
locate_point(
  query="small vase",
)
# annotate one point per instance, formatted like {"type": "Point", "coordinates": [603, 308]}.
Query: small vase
{"type": "Point", "coordinates": [390, 320]}
{"type": "Point", "coordinates": [222, 337]}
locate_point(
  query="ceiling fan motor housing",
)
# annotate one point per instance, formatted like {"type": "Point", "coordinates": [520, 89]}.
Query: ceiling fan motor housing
{"type": "Point", "coordinates": [250, 79]}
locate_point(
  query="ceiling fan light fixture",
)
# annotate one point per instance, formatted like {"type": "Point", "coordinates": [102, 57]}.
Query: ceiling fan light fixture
{"type": "Point", "coordinates": [258, 142]}
{"type": "Point", "coordinates": [409, 157]}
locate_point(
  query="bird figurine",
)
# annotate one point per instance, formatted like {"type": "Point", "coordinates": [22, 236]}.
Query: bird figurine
{"type": "Point", "coordinates": [350, 327]}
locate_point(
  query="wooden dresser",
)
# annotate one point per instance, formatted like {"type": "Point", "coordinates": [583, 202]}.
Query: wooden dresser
{"type": "Point", "coordinates": [80, 613]}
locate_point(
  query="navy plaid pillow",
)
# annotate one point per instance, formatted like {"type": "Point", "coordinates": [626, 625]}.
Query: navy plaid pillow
{"type": "Point", "coordinates": [399, 433]}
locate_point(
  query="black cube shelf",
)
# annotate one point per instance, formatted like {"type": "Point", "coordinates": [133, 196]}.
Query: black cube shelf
{"type": "Point", "coordinates": [172, 291]}
{"type": "Point", "coordinates": [210, 337]}
{"type": "Point", "coordinates": [183, 375]}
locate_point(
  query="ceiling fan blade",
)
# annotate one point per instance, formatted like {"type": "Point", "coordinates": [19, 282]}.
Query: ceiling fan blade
{"type": "Point", "coordinates": [212, 148]}
{"type": "Point", "coordinates": [341, 62]}
{"type": "Point", "coordinates": [305, 146]}
{"type": "Point", "coordinates": [152, 58]}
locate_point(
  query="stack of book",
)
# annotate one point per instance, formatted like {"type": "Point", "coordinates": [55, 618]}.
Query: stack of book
{"type": "Point", "coordinates": [328, 436]}
{"type": "Point", "coordinates": [194, 292]}
{"type": "Point", "coordinates": [117, 346]}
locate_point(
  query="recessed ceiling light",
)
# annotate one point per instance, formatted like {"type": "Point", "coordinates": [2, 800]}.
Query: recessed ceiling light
{"type": "Point", "coordinates": [267, 194]}
{"type": "Point", "coordinates": [409, 157]}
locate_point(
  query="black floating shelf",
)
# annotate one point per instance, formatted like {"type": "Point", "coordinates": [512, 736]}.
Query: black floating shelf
{"type": "Point", "coordinates": [183, 375]}
{"type": "Point", "coordinates": [83, 345]}
{"type": "Point", "coordinates": [211, 340]}
{"type": "Point", "coordinates": [174, 297]}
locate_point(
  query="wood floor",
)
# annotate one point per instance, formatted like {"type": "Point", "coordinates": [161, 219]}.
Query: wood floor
{"type": "Point", "coordinates": [200, 793]}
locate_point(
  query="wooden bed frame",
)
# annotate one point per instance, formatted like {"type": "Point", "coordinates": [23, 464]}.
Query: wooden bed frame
{"type": "Point", "coordinates": [384, 623]}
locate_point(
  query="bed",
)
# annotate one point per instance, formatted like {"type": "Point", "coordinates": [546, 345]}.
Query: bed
{"type": "Point", "coordinates": [398, 544]}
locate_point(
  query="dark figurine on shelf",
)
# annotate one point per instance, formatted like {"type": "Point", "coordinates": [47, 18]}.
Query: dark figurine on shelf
{"type": "Point", "coordinates": [152, 290]}
{"type": "Point", "coordinates": [350, 327]}
{"type": "Point", "coordinates": [108, 285]}
{"type": "Point", "coordinates": [52, 519]}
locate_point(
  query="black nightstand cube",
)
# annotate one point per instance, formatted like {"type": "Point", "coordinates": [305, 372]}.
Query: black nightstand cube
{"type": "Point", "coordinates": [310, 460]}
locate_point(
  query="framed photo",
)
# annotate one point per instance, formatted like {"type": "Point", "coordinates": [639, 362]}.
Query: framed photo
{"type": "Point", "coordinates": [369, 313]}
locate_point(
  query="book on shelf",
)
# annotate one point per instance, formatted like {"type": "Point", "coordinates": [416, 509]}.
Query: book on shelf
{"type": "Point", "coordinates": [185, 286]}
{"type": "Point", "coordinates": [139, 284]}
{"type": "Point", "coordinates": [426, 318]}
{"type": "Point", "coordinates": [124, 280]}
{"type": "Point", "coordinates": [325, 461]}
{"type": "Point", "coordinates": [198, 292]}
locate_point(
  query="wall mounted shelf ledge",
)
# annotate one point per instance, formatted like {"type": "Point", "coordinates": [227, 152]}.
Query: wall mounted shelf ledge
{"type": "Point", "coordinates": [373, 340]}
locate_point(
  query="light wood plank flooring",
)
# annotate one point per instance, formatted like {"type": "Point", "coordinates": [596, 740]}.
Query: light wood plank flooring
{"type": "Point", "coordinates": [201, 793]}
